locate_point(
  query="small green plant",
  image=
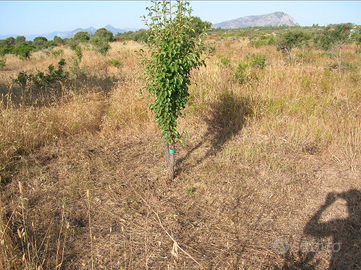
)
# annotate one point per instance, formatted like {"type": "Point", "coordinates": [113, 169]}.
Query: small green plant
{"type": "Point", "coordinates": [100, 45]}
{"type": "Point", "coordinates": [78, 53]}
{"type": "Point", "coordinates": [224, 61]}
{"type": "Point", "coordinates": [212, 49]}
{"type": "Point", "coordinates": [262, 41]}
{"type": "Point", "coordinates": [22, 80]}
{"type": "Point", "coordinates": [351, 67]}
{"type": "Point", "coordinates": [189, 190]}
{"type": "Point", "coordinates": [77, 71]}
{"type": "Point", "coordinates": [240, 74]}
{"type": "Point", "coordinates": [40, 79]}
{"type": "Point", "coordinates": [115, 63]}
{"type": "Point", "coordinates": [2, 63]}
{"type": "Point", "coordinates": [57, 53]}
{"type": "Point", "coordinates": [257, 61]}
{"type": "Point", "coordinates": [244, 73]}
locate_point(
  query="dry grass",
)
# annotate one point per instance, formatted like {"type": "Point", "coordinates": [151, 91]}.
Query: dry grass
{"type": "Point", "coordinates": [261, 159]}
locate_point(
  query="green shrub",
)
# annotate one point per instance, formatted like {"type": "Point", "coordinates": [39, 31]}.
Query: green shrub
{"type": "Point", "coordinates": [2, 63]}
{"type": "Point", "coordinates": [262, 41]}
{"type": "Point", "coordinates": [240, 74]}
{"type": "Point", "coordinates": [100, 45]}
{"type": "Point", "coordinates": [81, 36]}
{"type": "Point", "coordinates": [257, 61]}
{"type": "Point", "coordinates": [4, 51]}
{"type": "Point", "coordinates": [224, 61]}
{"type": "Point", "coordinates": [115, 63]}
{"type": "Point", "coordinates": [244, 73]}
{"type": "Point", "coordinates": [77, 71]}
{"type": "Point", "coordinates": [78, 53]}
{"type": "Point", "coordinates": [41, 79]}
{"type": "Point", "coordinates": [23, 50]}
{"type": "Point", "coordinates": [56, 53]}
{"type": "Point", "coordinates": [40, 41]}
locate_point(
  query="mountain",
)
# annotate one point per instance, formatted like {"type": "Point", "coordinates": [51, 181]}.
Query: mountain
{"type": "Point", "coordinates": [70, 34]}
{"type": "Point", "coordinates": [117, 30]}
{"type": "Point", "coordinates": [272, 19]}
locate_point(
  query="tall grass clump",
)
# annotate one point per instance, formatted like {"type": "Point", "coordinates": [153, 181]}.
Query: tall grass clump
{"type": "Point", "coordinates": [305, 108]}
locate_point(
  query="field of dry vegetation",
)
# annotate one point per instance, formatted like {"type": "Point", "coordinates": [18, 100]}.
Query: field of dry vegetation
{"type": "Point", "coordinates": [274, 153]}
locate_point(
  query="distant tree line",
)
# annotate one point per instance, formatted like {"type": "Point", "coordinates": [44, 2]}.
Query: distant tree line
{"type": "Point", "coordinates": [330, 38]}
{"type": "Point", "coordinates": [99, 40]}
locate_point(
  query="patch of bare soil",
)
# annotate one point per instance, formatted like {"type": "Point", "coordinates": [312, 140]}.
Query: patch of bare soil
{"type": "Point", "coordinates": [106, 203]}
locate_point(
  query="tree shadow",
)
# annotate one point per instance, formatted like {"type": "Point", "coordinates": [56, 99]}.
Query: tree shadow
{"type": "Point", "coordinates": [345, 248]}
{"type": "Point", "coordinates": [227, 118]}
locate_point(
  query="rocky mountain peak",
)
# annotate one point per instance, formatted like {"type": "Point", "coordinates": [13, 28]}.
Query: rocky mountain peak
{"type": "Point", "coordinates": [273, 19]}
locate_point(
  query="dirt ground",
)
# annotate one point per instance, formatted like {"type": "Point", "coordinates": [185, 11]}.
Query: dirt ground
{"type": "Point", "coordinates": [92, 202]}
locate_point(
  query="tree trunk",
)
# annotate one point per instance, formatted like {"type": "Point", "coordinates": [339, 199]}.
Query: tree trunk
{"type": "Point", "coordinates": [171, 161]}
{"type": "Point", "coordinates": [169, 156]}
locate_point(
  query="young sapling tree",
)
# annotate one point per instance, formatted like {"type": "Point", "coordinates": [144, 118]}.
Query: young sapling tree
{"type": "Point", "coordinates": [173, 51]}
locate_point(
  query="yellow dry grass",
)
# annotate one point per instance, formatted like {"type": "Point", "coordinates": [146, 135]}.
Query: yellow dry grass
{"type": "Point", "coordinates": [264, 143]}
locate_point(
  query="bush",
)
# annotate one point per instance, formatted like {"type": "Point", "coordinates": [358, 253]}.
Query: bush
{"type": "Point", "coordinates": [58, 40]}
{"type": "Point", "coordinates": [78, 53]}
{"type": "Point", "coordinates": [100, 45]}
{"type": "Point", "coordinates": [333, 38]}
{"type": "Point", "coordinates": [39, 41]}
{"type": "Point", "coordinates": [4, 51]}
{"type": "Point", "coordinates": [40, 80]}
{"type": "Point", "coordinates": [262, 41]}
{"type": "Point", "coordinates": [37, 85]}
{"type": "Point", "coordinates": [2, 63]}
{"type": "Point", "coordinates": [23, 50]}
{"type": "Point", "coordinates": [103, 34]}
{"type": "Point", "coordinates": [20, 39]}
{"type": "Point", "coordinates": [257, 61]}
{"type": "Point", "coordinates": [257, 43]}
{"type": "Point", "coordinates": [224, 61]}
{"type": "Point", "coordinates": [56, 53]}
{"type": "Point", "coordinates": [141, 36]}
{"type": "Point", "coordinates": [243, 74]}
{"type": "Point", "coordinates": [72, 43]}
{"type": "Point", "coordinates": [240, 74]}
{"type": "Point", "coordinates": [81, 36]}
{"type": "Point", "coordinates": [199, 26]}
{"type": "Point", "coordinates": [77, 71]}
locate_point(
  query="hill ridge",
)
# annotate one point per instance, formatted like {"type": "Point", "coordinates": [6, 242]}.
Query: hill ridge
{"type": "Point", "coordinates": [272, 19]}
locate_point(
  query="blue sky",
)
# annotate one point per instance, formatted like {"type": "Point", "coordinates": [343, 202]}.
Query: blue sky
{"type": "Point", "coordinates": [40, 17]}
